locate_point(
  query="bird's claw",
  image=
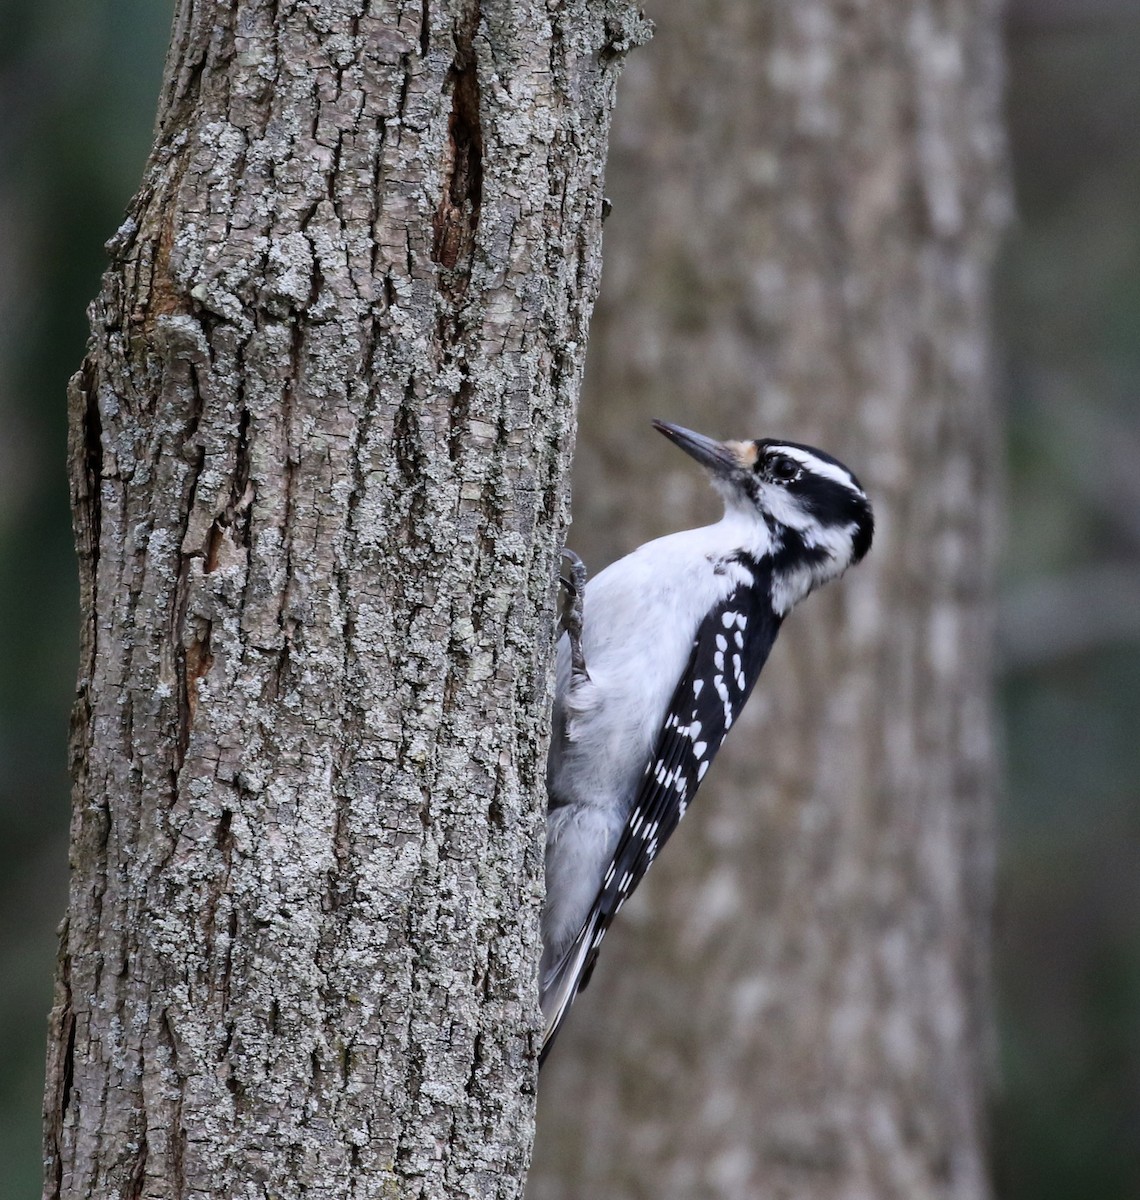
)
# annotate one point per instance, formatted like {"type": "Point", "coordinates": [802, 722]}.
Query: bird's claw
{"type": "Point", "coordinates": [572, 613]}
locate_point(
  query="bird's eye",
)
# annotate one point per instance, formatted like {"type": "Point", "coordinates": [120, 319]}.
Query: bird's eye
{"type": "Point", "coordinates": [783, 470]}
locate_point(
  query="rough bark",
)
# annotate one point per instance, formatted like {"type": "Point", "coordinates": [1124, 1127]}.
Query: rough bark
{"type": "Point", "coordinates": [318, 458]}
{"type": "Point", "coordinates": [806, 196]}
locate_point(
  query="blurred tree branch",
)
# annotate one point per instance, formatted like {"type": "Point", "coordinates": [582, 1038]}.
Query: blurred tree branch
{"type": "Point", "coordinates": [1057, 617]}
{"type": "Point", "coordinates": [1067, 16]}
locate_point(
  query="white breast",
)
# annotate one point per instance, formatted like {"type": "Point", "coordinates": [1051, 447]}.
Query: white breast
{"type": "Point", "coordinates": [640, 616]}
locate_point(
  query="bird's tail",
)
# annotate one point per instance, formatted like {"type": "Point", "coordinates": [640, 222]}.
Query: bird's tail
{"type": "Point", "coordinates": [565, 979]}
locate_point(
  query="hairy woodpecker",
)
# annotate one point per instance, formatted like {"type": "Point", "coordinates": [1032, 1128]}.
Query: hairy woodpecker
{"type": "Point", "coordinates": [658, 657]}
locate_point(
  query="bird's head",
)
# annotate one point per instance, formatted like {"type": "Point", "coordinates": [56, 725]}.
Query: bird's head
{"type": "Point", "coordinates": [816, 511]}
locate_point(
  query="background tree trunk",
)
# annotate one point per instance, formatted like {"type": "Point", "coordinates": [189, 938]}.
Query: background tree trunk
{"type": "Point", "coordinates": [806, 197]}
{"type": "Point", "coordinates": [318, 458]}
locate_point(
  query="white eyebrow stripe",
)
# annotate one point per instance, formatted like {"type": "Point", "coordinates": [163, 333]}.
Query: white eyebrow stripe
{"type": "Point", "coordinates": [817, 465]}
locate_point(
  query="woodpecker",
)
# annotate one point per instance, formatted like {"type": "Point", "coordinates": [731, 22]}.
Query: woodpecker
{"type": "Point", "coordinates": [658, 655]}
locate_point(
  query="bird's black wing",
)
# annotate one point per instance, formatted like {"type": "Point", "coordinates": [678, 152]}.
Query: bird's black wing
{"type": "Point", "coordinates": [730, 647]}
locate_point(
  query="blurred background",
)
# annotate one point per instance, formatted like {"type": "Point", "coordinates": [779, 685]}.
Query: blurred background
{"type": "Point", "coordinates": [78, 83]}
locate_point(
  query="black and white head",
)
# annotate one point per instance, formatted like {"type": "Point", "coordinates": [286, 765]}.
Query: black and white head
{"type": "Point", "coordinates": [818, 517]}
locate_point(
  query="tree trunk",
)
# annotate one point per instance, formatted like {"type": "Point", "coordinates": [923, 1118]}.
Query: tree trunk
{"type": "Point", "coordinates": [318, 457]}
{"type": "Point", "coordinates": [806, 198]}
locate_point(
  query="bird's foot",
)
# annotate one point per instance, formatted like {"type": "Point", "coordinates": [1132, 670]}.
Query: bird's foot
{"type": "Point", "coordinates": [572, 613]}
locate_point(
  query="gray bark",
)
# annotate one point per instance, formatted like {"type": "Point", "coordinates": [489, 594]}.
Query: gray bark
{"type": "Point", "coordinates": [318, 457]}
{"type": "Point", "coordinates": [806, 199]}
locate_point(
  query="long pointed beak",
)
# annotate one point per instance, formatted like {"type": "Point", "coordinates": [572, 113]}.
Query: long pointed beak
{"type": "Point", "coordinates": [710, 453]}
